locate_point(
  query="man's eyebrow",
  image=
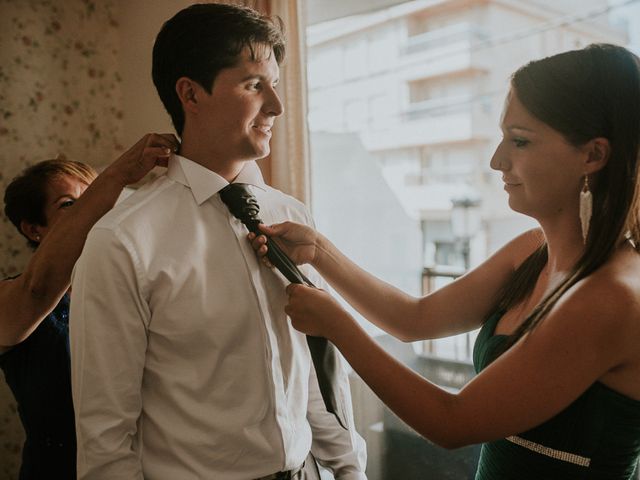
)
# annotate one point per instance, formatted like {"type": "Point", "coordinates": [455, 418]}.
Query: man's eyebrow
{"type": "Point", "coordinates": [257, 76]}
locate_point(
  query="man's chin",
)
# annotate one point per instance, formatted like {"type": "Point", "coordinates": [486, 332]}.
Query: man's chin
{"type": "Point", "coordinates": [262, 154]}
{"type": "Point", "coordinates": [256, 152]}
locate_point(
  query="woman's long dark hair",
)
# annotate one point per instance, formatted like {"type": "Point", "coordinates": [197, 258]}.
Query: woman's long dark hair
{"type": "Point", "coordinates": [585, 94]}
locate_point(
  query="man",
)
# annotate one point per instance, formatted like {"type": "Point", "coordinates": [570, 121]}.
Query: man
{"type": "Point", "coordinates": [184, 365]}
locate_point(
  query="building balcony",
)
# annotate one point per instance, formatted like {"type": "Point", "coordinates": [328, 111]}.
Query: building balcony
{"type": "Point", "coordinates": [439, 106]}
{"type": "Point", "coordinates": [418, 129]}
{"type": "Point", "coordinates": [461, 34]}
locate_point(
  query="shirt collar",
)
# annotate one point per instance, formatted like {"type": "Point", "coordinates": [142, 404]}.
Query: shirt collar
{"type": "Point", "coordinates": [205, 183]}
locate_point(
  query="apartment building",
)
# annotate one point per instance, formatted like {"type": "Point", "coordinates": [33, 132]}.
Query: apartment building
{"type": "Point", "coordinates": [421, 84]}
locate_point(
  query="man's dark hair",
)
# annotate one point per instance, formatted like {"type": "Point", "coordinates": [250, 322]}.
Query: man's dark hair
{"type": "Point", "coordinates": [203, 39]}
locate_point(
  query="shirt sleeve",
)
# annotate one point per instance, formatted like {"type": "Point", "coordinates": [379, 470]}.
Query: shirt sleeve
{"type": "Point", "coordinates": [108, 339]}
{"type": "Point", "coordinates": [341, 451]}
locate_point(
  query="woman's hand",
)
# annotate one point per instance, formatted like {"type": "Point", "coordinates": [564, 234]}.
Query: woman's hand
{"type": "Point", "coordinates": [314, 312]}
{"type": "Point", "coordinates": [298, 241]}
{"type": "Point", "coordinates": [151, 150]}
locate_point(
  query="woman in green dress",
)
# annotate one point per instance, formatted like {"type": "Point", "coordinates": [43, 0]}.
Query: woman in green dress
{"type": "Point", "coordinates": [557, 395]}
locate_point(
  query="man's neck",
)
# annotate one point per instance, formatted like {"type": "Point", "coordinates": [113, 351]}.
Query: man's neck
{"type": "Point", "coordinates": [217, 162]}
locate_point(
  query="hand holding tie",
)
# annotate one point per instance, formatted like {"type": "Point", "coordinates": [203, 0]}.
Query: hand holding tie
{"type": "Point", "coordinates": [244, 206]}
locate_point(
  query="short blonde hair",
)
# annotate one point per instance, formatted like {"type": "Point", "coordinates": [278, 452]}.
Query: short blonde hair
{"type": "Point", "coordinates": [25, 196]}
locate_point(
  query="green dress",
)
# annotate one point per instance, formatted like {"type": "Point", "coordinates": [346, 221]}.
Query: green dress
{"type": "Point", "coordinates": [596, 437]}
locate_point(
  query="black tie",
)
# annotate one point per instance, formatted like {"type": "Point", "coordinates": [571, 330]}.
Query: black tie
{"type": "Point", "coordinates": [244, 206]}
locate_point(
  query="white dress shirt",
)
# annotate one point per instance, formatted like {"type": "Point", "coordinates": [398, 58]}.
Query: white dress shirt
{"type": "Point", "coordinates": [184, 364]}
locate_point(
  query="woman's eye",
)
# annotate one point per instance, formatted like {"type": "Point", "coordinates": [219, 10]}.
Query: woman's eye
{"type": "Point", "coordinates": [66, 203]}
{"type": "Point", "coordinates": [520, 142]}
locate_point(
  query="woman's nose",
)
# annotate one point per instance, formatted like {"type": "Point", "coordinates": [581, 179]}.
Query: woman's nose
{"type": "Point", "coordinates": [497, 160]}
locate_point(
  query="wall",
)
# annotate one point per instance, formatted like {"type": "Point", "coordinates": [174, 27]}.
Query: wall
{"type": "Point", "coordinates": [60, 92]}
{"type": "Point", "coordinates": [64, 80]}
{"type": "Point", "coordinates": [139, 23]}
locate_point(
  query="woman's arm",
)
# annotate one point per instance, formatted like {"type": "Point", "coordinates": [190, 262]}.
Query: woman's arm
{"type": "Point", "coordinates": [458, 307]}
{"type": "Point", "coordinates": [581, 339]}
{"type": "Point", "coordinates": [28, 299]}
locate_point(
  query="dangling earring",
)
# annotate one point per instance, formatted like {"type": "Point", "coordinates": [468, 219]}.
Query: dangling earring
{"type": "Point", "coordinates": [38, 238]}
{"type": "Point", "coordinates": [586, 208]}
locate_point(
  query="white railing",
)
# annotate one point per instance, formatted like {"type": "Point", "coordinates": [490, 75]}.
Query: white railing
{"type": "Point", "coordinates": [458, 348]}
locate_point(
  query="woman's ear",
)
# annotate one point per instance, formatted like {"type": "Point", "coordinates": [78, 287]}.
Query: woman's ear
{"type": "Point", "coordinates": [599, 151]}
{"type": "Point", "coordinates": [32, 231]}
{"type": "Point", "coordinates": [186, 89]}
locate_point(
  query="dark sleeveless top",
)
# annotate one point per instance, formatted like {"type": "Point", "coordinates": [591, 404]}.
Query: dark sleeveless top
{"type": "Point", "coordinates": [596, 437]}
{"type": "Point", "coordinates": [38, 372]}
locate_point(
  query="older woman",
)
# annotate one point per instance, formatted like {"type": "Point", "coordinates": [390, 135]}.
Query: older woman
{"type": "Point", "coordinates": [54, 204]}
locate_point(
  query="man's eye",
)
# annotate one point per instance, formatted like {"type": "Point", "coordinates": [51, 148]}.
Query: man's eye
{"type": "Point", "coordinates": [520, 142]}
{"type": "Point", "coordinates": [67, 203]}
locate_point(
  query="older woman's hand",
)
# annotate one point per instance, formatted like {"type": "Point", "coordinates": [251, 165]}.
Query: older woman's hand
{"type": "Point", "coordinates": [152, 150]}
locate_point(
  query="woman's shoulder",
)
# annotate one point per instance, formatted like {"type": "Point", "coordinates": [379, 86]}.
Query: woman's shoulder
{"type": "Point", "coordinates": [529, 240]}
{"type": "Point", "coordinates": [610, 314]}
{"type": "Point", "coordinates": [619, 277]}
{"type": "Point", "coordinates": [523, 246]}
{"type": "Point", "coordinates": [612, 292]}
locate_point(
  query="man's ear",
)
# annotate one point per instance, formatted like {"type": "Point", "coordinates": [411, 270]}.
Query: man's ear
{"type": "Point", "coordinates": [31, 230]}
{"type": "Point", "coordinates": [598, 150]}
{"type": "Point", "coordinates": [186, 89]}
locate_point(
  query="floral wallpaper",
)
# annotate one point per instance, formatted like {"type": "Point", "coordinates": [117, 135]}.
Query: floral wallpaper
{"type": "Point", "coordinates": [60, 93]}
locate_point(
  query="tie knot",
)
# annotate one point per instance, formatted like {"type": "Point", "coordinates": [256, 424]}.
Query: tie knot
{"type": "Point", "coordinates": [241, 203]}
